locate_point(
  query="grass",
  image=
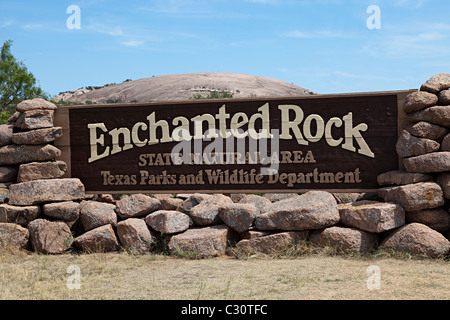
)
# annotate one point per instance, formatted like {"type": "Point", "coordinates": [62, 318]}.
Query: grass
{"type": "Point", "coordinates": [294, 274]}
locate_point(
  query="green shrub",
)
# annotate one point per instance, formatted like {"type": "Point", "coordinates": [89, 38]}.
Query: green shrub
{"type": "Point", "coordinates": [4, 115]}
{"type": "Point", "coordinates": [223, 94]}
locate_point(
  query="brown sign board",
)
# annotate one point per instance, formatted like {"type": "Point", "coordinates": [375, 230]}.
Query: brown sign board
{"type": "Point", "coordinates": [337, 143]}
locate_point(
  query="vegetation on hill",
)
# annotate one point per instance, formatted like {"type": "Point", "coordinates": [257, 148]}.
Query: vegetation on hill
{"type": "Point", "coordinates": [222, 94]}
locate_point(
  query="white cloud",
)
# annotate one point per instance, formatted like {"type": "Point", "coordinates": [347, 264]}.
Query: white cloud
{"type": "Point", "coordinates": [102, 28]}
{"type": "Point", "coordinates": [363, 76]}
{"type": "Point", "coordinates": [297, 34]}
{"type": "Point", "coordinates": [5, 23]}
{"type": "Point", "coordinates": [194, 12]}
{"type": "Point", "coordinates": [33, 26]}
{"type": "Point", "coordinates": [291, 2]}
{"type": "Point", "coordinates": [423, 40]}
{"type": "Point", "coordinates": [133, 43]}
{"type": "Point", "coordinates": [263, 1]}
{"type": "Point", "coordinates": [412, 4]}
{"type": "Point", "coordinates": [438, 26]}
{"type": "Point", "coordinates": [422, 45]}
{"type": "Point", "coordinates": [43, 27]}
{"type": "Point", "coordinates": [317, 34]}
{"type": "Point", "coordinates": [115, 32]}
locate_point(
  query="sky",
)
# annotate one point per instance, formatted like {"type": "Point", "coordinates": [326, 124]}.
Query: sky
{"type": "Point", "coordinates": [327, 46]}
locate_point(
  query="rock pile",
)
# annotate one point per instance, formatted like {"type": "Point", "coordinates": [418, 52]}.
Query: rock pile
{"type": "Point", "coordinates": [41, 211]}
{"type": "Point", "coordinates": [37, 206]}
{"type": "Point", "coordinates": [423, 189]}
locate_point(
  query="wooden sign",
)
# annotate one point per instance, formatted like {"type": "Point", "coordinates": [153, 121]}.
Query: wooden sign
{"type": "Point", "coordinates": [338, 143]}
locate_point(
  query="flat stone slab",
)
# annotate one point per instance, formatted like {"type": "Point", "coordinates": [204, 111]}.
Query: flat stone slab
{"type": "Point", "coordinates": [428, 163]}
{"type": "Point", "coordinates": [272, 243]}
{"type": "Point", "coordinates": [414, 197]}
{"type": "Point", "coordinates": [22, 215]}
{"type": "Point", "coordinates": [17, 154]}
{"type": "Point", "coordinates": [136, 205]}
{"type": "Point", "coordinates": [168, 221]}
{"type": "Point", "coordinates": [38, 136]}
{"type": "Point", "coordinates": [66, 210]}
{"type": "Point", "coordinates": [41, 170]}
{"type": "Point", "coordinates": [401, 178]}
{"type": "Point", "coordinates": [312, 210]}
{"type": "Point", "coordinates": [202, 242]}
{"type": "Point", "coordinates": [428, 130]}
{"type": "Point", "coordinates": [372, 216]}
{"type": "Point", "coordinates": [35, 119]}
{"type": "Point", "coordinates": [344, 239]}
{"type": "Point", "coordinates": [439, 115]}
{"type": "Point", "coordinates": [40, 191]}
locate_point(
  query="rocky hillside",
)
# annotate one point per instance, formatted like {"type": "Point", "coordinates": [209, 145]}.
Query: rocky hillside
{"type": "Point", "coordinates": [183, 87]}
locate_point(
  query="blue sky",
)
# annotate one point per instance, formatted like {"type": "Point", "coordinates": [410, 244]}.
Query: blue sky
{"type": "Point", "coordinates": [321, 45]}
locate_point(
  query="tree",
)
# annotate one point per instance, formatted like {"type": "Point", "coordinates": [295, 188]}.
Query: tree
{"type": "Point", "coordinates": [16, 82]}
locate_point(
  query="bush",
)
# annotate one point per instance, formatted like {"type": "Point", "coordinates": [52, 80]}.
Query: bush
{"type": "Point", "coordinates": [113, 101]}
{"type": "Point", "coordinates": [223, 94]}
{"type": "Point", "coordinates": [4, 115]}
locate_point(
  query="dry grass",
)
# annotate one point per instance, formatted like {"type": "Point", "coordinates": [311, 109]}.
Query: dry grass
{"type": "Point", "coordinates": [310, 276]}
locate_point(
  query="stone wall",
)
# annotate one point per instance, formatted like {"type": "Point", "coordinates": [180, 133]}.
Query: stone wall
{"type": "Point", "coordinates": [40, 211]}
{"type": "Point", "coordinates": [423, 188]}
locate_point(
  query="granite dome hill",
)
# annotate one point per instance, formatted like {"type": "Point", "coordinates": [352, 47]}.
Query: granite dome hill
{"type": "Point", "coordinates": [183, 87]}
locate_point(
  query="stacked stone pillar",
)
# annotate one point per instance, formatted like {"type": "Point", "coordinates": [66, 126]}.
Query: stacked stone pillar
{"type": "Point", "coordinates": [423, 188]}
{"type": "Point", "coordinates": [30, 180]}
